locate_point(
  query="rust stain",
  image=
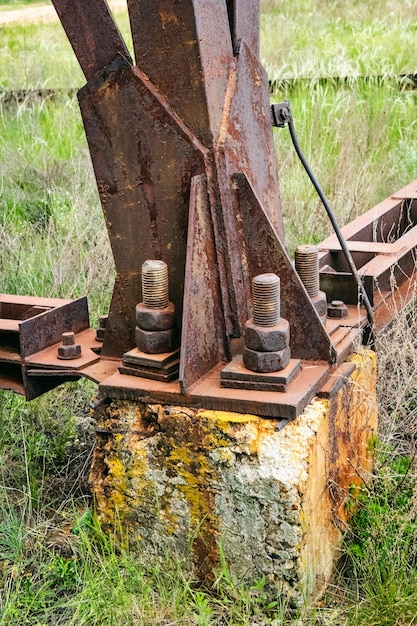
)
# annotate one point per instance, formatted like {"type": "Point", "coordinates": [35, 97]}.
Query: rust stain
{"type": "Point", "coordinates": [353, 420]}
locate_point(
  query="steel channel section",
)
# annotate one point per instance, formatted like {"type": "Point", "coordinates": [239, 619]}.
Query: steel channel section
{"type": "Point", "coordinates": [383, 243]}
{"type": "Point", "coordinates": [29, 325]}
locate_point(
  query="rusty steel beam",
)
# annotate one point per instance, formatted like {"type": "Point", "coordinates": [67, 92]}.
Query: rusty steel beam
{"type": "Point", "coordinates": [383, 244]}
{"type": "Point", "coordinates": [92, 32]}
{"type": "Point", "coordinates": [185, 49]}
{"type": "Point", "coordinates": [244, 19]}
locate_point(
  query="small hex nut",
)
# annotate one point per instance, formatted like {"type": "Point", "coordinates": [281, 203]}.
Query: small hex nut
{"type": "Point", "coordinates": [320, 303]}
{"type": "Point", "coordinates": [100, 334]}
{"type": "Point", "coordinates": [264, 362]}
{"type": "Point", "coordinates": [100, 331]}
{"type": "Point", "coordinates": [156, 341]}
{"type": "Point", "coordinates": [155, 319]}
{"type": "Point", "coordinates": [68, 352]}
{"type": "Point", "coordinates": [267, 338]}
{"type": "Point", "coordinates": [337, 309]}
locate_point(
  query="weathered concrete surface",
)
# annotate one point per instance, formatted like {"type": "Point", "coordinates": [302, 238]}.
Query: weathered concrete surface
{"type": "Point", "coordinates": [272, 502]}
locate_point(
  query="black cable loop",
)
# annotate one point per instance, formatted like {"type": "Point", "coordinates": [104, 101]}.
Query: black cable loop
{"type": "Point", "coordinates": [281, 115]}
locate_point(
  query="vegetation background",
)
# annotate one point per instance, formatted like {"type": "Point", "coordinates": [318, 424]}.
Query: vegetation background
{"type": "Point", "coordinates": [347, 67]}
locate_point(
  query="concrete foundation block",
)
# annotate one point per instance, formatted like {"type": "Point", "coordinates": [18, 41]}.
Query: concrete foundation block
{"type": "Point", "coordinates": [273, 502]}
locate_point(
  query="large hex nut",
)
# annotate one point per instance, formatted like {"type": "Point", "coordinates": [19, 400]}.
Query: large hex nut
{"type": "Point", "coordinates": [267, 338]}
{"type": "Point", "coordinates": [320, 303]}
{"type": "Point", "coordinates": [155, 319]}
{"type": "Point", "coordinates": [264, 362]}
{"type": "Point", "coordinates": [156, 341]}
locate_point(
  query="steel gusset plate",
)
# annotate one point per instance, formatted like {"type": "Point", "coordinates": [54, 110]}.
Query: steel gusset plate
{"type": "Point", "coordinates": [265, 253]}
{"type": "Point", "coordinates": [204, 342]}
{"type": "Point", "coordinates": [144, 186]}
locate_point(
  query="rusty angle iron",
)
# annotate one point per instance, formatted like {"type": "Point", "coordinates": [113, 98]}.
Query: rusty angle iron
{"type": "Point", "coordinates": [183, 153]}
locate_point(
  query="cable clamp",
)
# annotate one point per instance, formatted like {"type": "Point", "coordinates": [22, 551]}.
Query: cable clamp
{"type": "Point", "coordinates": [281, 114]}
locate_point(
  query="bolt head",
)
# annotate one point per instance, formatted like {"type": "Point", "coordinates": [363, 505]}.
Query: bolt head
{"type": "Point", "coordinates": [155, 319]}
{"type": "Point", "coordinates": [337, 309]}
{"type": "Point", "coordinates": [267, 338]}
{"type": "Point", "coordinates": [68, 352]}
{"type": "Point", "coordinates": [264, 362]}
{"type": "Point", "coordinates": [156, 341]}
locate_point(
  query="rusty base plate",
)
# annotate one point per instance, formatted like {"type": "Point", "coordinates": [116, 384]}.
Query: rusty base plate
{"type": "Point", "coordinates": [155, 361]}
{"type": "Point", "coordinates": [163, 367]}
{"type": "Point", "coordinates": [236, 376]}
{"type": "Point", "coordinates": [207, 393]}
{"type": "Point", "coordinates": [162, 374]}
{"type": "Point", "coordinates": [47, 359]}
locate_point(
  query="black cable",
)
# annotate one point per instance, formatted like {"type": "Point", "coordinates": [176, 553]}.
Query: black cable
{"type": "Point", "coordinates": [281, 115]}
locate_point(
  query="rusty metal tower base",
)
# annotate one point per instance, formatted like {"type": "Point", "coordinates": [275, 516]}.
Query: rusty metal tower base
{"type": "Point", "coordinates": [191, 448]}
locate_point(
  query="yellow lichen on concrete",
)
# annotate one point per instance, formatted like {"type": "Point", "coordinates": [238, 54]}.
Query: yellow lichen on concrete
{"type": "Point", "coordinates": [225, 416]}
{"type": "Point", "coordinates": [273, 501]}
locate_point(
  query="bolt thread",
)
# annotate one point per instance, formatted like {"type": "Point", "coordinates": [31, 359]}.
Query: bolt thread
{"type": "Point", "coordinates": [102, 321]}
{"type": "Point", "coordinates": [307, 267]}
{"type": "Point", "coordinates": [68, 339]}
{"type": "Point", "coordinates": [155, 284]}
{"type": "Point", "coordinates": [266, 299]}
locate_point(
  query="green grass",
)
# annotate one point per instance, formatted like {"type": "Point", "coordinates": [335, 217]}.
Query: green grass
{"type": "Point", "coordinates": [52, 236]}
{"type": "Point", "coordinates": [19, 3]}
{"type": "Point", "coordinates": [338, 38]}
{"type": "Point", "coordinates": [56, 566]}
{"type": "Point", "coordinates": [40, 56]}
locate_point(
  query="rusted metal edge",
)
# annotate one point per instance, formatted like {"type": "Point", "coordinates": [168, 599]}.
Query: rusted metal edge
{"type": "Point", "coordinates": [265, 253]}
{"type": "Point", "coordinates": [92, 33]}
{"type": "Point", "coordinates": [207, 393]}
{"type": "Point", "coordinates": [204, 342]}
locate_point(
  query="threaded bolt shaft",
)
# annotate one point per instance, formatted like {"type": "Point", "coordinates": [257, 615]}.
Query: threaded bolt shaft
{"type": "Point", "coordinates": [307, 267]}
{"type": "Point", "coordinates": [102, 321]}
{"type": "Point", "coordinates": [155, 284]}
{"type": "Point", "coordinates": [266, 299]}
{"type": "Point", "coordinates": [68, 339]}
